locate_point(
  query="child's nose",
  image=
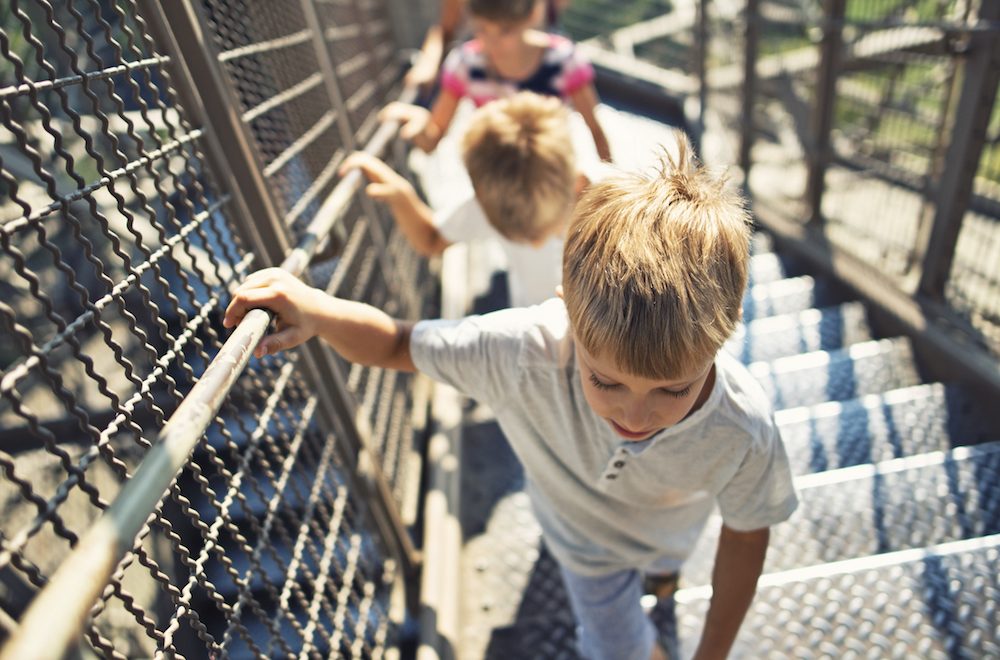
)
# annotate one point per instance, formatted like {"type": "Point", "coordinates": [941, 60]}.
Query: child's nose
{"type": "Point", "coordinates": [636, 416]}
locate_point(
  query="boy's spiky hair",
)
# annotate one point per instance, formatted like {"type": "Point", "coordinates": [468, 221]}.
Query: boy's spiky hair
{"type": "Point", "coordinates": [655, 268]}
{"type": "Point", "coordinates": [503, 11]}
{"type": "Point", "coordinates": [519, 155]}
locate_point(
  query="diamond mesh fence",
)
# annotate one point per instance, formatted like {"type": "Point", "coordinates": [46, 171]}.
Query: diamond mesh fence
{"type": "Point", "coordinates": [120, 240]}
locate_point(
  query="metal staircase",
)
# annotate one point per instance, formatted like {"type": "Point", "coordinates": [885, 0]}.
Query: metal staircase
{"type": "Point", "coordinates": [892, 552]}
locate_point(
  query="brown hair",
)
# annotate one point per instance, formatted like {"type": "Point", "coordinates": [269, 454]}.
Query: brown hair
{"type": "Point", "coordinates": [519, 155]}
{"type": "Point", "coordinates": [502, 11]}
{"type": "Point", "coordinates": [655, 268]}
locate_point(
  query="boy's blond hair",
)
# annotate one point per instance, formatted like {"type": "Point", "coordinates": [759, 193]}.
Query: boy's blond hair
{"type": "Point", "coordinates": [519, 155]}
{"type": "Point", "coordinates": [655, 268]}
{"type": "Point", "coordinates": [502, 11]}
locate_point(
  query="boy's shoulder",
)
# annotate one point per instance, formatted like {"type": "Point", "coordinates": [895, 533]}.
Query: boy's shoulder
{"type": "Point", "coordinates": [744, 402]}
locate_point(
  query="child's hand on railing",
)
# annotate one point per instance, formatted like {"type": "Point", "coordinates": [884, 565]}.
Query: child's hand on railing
{"type": "Point", "coordinates": [415, 124]}
{"type": "Point", "coordinates": [296, 305]}
{"type": "Point", "coordinates": [386, 185]}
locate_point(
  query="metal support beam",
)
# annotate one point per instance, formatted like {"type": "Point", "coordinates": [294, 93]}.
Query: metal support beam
{"type": "Point", "coordinates": [819, 153]}
{"type": "Point", "coordinates": [175, 26]}
{"type": "Point", "coordinates": [751, 37]}
{"type": "Point", "coordinates": [939, 238]}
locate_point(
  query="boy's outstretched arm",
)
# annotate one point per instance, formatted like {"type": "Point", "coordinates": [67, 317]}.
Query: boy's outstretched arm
{"type": "Point", "coordinates": [418, 125]}
{"type": "Point", "coordinates": [359, 332]}
{"type": "Point", "coordinates": [739, 561]}
{"type": "Point", "coordinates": [584, 101]}
{"type": "Point", "coordinates": [413, 217]}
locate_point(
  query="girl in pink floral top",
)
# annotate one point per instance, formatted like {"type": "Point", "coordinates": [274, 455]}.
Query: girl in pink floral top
{"type": "Point", "coordinates": [505, 56]}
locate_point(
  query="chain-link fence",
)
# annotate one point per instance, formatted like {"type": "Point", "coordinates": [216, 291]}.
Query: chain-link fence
{"type": "Point", "coordinates": [150, 157]}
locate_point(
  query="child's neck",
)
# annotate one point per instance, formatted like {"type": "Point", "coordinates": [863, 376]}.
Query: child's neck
{"type": "Point", "coordinates": [526, 61]}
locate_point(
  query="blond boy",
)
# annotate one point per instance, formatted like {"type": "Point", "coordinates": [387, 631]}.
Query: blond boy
{"type": "Point", "coordinates": [520, 160]}
{"type": "Point", "coordinates": [630, 422]}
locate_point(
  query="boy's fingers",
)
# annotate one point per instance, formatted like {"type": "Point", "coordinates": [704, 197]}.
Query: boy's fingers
{"type": "Point", "coordinates": [379, 190]}
{"type": "Point", "coordinates": [279, 341]}
{"type": "Point", "coordinates": [249, 297]}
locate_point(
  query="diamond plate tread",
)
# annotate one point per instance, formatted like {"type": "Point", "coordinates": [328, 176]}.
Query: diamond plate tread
{"type": "Point", "coordinates": [879, 427]}
{"type": "Point", "coordinates": [793, 294]}
{"type": "Point", "coordinates": [766, 268]}
{"type": "Point", "coordinates": [935, 604]}
{"type": "Point", "coordinates": [871, 509]}
{"type": "Point", "coordinates": [824, 329]}
{"type": "Point", "coordinates": [812, 378]}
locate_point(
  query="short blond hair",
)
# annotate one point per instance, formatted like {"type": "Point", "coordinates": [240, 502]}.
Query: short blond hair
{"type": "Point", "coordinates": [655, 268]}
{"type": "Point", "coordinates": [519, 155]}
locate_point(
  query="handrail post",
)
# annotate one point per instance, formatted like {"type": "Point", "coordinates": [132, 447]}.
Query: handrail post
{"type": "Point", "coordinates": [819, 153]}
{"type": "Point", "coordinates": [981, 74]}
{"type": "Point", "coordinates": [751, 42]}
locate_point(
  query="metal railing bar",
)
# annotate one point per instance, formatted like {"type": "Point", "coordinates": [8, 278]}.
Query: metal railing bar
{"type": "Point", "coordinates": [293, 92]}
{"type": "Point", "coordinates": [339, 32]}
{"type": "Point", "coordinates": [16, 224]}
{"type": "Point", "coordinates": [347, 67]}
{"type": "Point", "coordinates": [59, 612]}
{"type": "Point", "coordinates": [19, 540]}
{"type": "Point", "coordinates": [312, 193]}
{"type": "Point", "coordinates": [270, 45]}
{"type": "Point", "coordinates": [59, 83]}
{"type": "Point", "coordinates": [14, 375]}
{"type": "Point", "coordinates": [297, 147]}
{"type": "Point", "coordinates": [363, 93]}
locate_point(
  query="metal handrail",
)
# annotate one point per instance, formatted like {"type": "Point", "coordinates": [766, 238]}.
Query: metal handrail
{"type": "Point", "coordinates": [59, 612]}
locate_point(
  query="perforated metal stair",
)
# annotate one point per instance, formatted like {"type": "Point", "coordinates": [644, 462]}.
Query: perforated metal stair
{"type": "Point", "coordinates": [892, 552]}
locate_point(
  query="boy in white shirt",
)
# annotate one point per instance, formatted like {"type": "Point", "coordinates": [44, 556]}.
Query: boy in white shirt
{"type": "Point", "coordinates": [630, 422]}
{"type": "Point", "coordinates": [519, 155]}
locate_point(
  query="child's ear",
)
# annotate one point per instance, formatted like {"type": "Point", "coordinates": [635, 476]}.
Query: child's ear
{"type": "Point", "coordinates": [559, 291]}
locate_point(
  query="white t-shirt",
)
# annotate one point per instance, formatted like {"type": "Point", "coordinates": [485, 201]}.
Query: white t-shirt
{"type": "Point", "coordinates": [606, 504]}
{"type": "Point", "coordinates": [532, 272]}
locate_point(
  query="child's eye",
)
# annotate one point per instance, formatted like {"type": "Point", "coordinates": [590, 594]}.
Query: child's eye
{"type": "Point", "coordinates": [599, 385]}
{"type": "Point", "coordinates": [680, 394]}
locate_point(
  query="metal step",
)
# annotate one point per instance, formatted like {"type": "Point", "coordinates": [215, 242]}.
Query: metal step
{"type": "Point", "coordinates": [761, 243]}
{"type": "Point", "coordinates": [811, 378]}
{"type": "Point", "coordinates": [765, 268]}
{"type": "Point", "coordinates": [794, 294]}
{"type": "Point", "coordinates": [824, 329]}
{"type": "Point", "coordinates": [871, 509]}
{"type": "Point", "coordinates": [879, 427]}
{"type": "Point", "coordinates": [935, 603]}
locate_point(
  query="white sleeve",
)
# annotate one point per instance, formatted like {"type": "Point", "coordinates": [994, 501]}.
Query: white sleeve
{"type": "Point", "coordinates": [477, 355]}
{"type": "Point", "coordinates": [761, 493]}
{"type": "Point", "coordinates": [465, 222]}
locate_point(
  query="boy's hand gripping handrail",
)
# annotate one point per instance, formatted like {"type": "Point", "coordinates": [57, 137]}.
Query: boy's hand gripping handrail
{"type": "Point", "coordinates": [57, 615]}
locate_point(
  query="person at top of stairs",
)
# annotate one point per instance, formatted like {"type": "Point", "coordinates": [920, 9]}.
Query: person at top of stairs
{"type": "Point", "coordinates": [630, 421]}
{"type": "Point", "coordinates": [506, 55]}
{"type": "Point", "coordinates": [519, 155]}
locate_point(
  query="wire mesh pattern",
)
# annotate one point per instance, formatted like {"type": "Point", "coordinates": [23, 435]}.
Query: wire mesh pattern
{"type": "Point", "coordinates": [118, 249]}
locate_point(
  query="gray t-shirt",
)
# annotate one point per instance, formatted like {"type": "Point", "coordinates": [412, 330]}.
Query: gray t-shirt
{"type": "Point", "coordinates": [603, 503]}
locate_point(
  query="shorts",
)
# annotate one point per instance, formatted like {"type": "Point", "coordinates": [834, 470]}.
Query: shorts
{"type": "Point", "coordinates": [611, 624]}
